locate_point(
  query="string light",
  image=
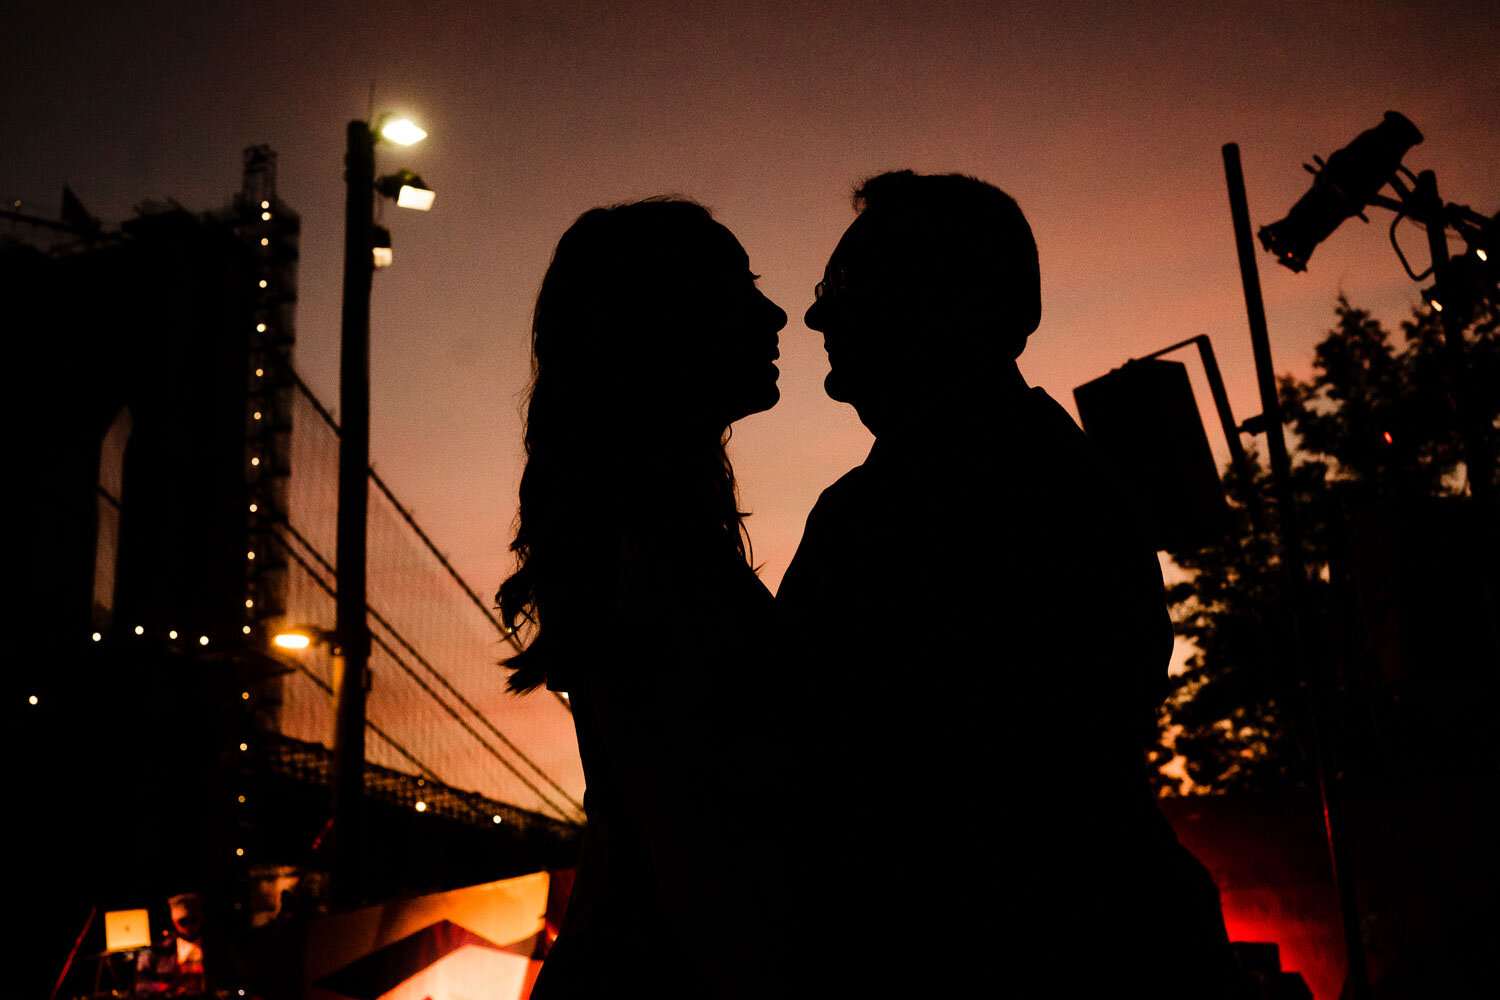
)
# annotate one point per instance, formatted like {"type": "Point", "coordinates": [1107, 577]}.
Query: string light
{"type": "Point", "coordinates": [254, 508]}
{"type": "Point", "coordinates": [97, 637]}
{"type": "Point", "coordinates": [250, 554]}
{"type": "Point", "coordinates": [257, 414]}
{"type": "Point", "coordinates": [140, 630]}
{"type": "Point", "coordinates": [259, 372]}
{"type": "Point", "coordinates": [246, 630]}
{"type": "Point", "coordinates": [263, 282]}
{"type": "Point", "coordinates": [265, 204]}
{"type": "Point", "coordinates": [244, 696]}
{"type": "Point", "coordinates": [265, 217]}
{"type": "Point", "coordinates": [496, 818]}
{"type": "Point", "coordinates": [260, 328]}
{"type": "Point", "coordinates": [172, 634]}
{"type": "Point", "coordinates": [249, 603]}
{"type": "Point", "coordinates": [265, 241]}
{"type": "Point", "coordinates": [421, 807]}
{"type": "Point", "coordinates": [242, 800]}
{"type": "Point", "coordinates": [203, 640]}
{"type": "Point", "coordinates": [255, 461]}
{"type": "Point", "coordinates": [244, 746]}
{"type": "Point", "coordinates": [32, 699]}
{"type": "Point", "coordinates": [239, 852]}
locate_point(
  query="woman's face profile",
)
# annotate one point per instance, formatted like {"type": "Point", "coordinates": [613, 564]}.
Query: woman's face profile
{"type": "Point", "coordinates": [727, 343]}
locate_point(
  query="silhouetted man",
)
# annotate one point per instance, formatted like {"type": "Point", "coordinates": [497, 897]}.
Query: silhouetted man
{"type": "Point", "coordinates": [985, 641]}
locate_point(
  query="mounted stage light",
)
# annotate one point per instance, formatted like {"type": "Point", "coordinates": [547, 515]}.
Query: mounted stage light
{"type": "Point", "coordinates": [409, 190]}
{"type": "Point", "coordinates": [1341, 188]}
{"type": "Point", "coordinates": [380, 248]}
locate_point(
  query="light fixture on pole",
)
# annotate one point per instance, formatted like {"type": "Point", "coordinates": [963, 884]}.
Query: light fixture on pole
{"type": "Point", "coordinates": [351, 669]}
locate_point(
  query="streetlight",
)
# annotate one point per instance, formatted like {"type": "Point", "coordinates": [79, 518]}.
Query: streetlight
{"type": "Point", "coordinates": [351, 669]}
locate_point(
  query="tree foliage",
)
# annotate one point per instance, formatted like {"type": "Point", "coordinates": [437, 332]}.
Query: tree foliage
{"type": "Point", "coordinates": [1376, 429]}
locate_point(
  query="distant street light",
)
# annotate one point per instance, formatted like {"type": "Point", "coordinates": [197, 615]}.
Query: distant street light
{"type": "Point", "coordinates": [351, 669]}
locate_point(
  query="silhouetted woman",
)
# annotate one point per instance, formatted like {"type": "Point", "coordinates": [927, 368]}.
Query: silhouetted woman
{"type": "Point", "coordinates": [649, 340]}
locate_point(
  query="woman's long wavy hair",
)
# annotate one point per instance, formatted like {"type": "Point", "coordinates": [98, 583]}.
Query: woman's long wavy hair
{"type": "Point", "coordinates": [620, 287]}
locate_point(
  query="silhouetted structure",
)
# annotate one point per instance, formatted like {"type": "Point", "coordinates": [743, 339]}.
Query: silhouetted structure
{"type": "Point", "coordinates": [145, 706]}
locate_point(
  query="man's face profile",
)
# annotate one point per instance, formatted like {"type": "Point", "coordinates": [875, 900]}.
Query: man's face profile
{"type": "Point", "coordinates": [858, 314]}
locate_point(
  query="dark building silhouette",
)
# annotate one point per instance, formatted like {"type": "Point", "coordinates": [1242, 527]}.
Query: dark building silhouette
{"type": "Point", "coordinates": [172, 332]}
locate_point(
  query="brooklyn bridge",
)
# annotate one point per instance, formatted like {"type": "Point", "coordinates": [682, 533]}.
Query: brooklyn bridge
{"type": "Point", "coordinates": [178, 506]}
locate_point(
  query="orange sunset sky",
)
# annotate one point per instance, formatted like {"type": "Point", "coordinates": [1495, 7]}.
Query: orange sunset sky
{"type": "Point", "coordinates": [1103, 120]}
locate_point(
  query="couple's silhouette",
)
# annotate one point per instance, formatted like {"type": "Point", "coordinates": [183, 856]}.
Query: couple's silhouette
{"type": "Point", "coordinates": [919, 770]}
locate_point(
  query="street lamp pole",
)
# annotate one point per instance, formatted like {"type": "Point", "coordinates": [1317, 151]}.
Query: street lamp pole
{"type": "Point", "coordinates": [351, 666]}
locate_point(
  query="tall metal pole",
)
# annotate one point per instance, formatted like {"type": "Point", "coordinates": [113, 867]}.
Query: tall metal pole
{"type": "Point", "coordinates": [1290, 544]}
{"type": "Point", "coordinates": [351, 668]}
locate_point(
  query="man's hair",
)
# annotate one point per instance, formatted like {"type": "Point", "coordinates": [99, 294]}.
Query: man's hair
{"type": "Point", "coordinates": [966, 248]}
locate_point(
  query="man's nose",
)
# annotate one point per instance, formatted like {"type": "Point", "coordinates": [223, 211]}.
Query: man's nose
{"type": "Point", "coordinates": [813, 318]}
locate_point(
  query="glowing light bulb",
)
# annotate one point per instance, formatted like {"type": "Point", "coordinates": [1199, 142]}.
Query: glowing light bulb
{"type": "Point", "coordinates": [293, 640]}
{"type": "Point", "coordinates": [265, 217]}
{"type": "Point", "coordinates": [244, 746]}
{"type": "Point", "coordinates": [250, 555]}
{"type": "Point", "coordinates": [203, 640]}
{"type": "Point", "coordinates": [1481, 254]}
{"type": "Point", "coordinates": [263, 282]}
{"type": "Point", "coordinates": [259, 372]}
{"type": "Point", "coordinates": [244, 696]}
{"type": "Point", "coordinates": [421, 807]}
{"type": "Point", "coordinates": [32, 699]}
{"type": "Point", "coordinates": [405, 132]}
{"type": "Point", "coordinates": [254, 508]}
{"type": "Point", "coordinates": [97, 637]}
{"type": "Point", "coordinates": [265, 241]}
{"type": "Point", "coordinates": [254, 461]}
{"type": "Point", "coordinates": [257, 414]}
{"type": "Point", "coordinates": [495, 818]}
{"type": "Point", "coordinates": [260, 328]}
{"type": "Point", "coordinates": [140, 630]}
{"type": "Point", "coordinates": [172, 634]}
{"type": "Point", "coordinates": [246, 630]}
{"type": "Point", "coordinates": [249, 603]}
{"type": "Point", "coordinates": [242, 800]}
{"type": "Point", "coordinates": [265, 204]}
{"type": "Point", "coordinates": [239, 852]}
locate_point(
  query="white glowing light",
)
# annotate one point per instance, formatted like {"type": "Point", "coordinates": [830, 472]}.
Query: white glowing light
{"type": "Point", "coordinates": [254, 507]}
{"type": "Point", "coordinates": [244, 746]}
{"type": "Point", "coordinates": [32, 699]}
{"type": "Point", "coordinates": [265, 241]}
{"type": "Point", "coordinates": [382, 256]}
{"type": "Point", "coordinates": [203, 640]}
{"type": "Point", "coordinates": [254, 461]}
{"type": "Point", "coordinates": [260, 328]}
{"type": "Point", "coordinates": [293, 640]}
{"type": "Point", "coordinates": [139, 630]}
{"type": "Point", "coordinates": [265, 216]}
{"type": "Point", "coordinates": [263, 282]}
{"type": "Point", "coordinates": [495, 818]}
{"type": "Point", "coordinates": [246, 630]}
{"type": "Point", "coordinates": [1481, 254]}
{"type": "Point", "coordinates": [403, 132]}
{"type": "Point", "coordinates": [420, 199]}
{"type": "Point", "coordinates": [97, 637]}
{"type": "Point", "coordinates": [250, 554]}
{"type": "Point", "coordinates": [265, 204]}
{"type": "Point", "coordinates": [421, 807]}
{"type": "Point", "coordinates": [172, 634]}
